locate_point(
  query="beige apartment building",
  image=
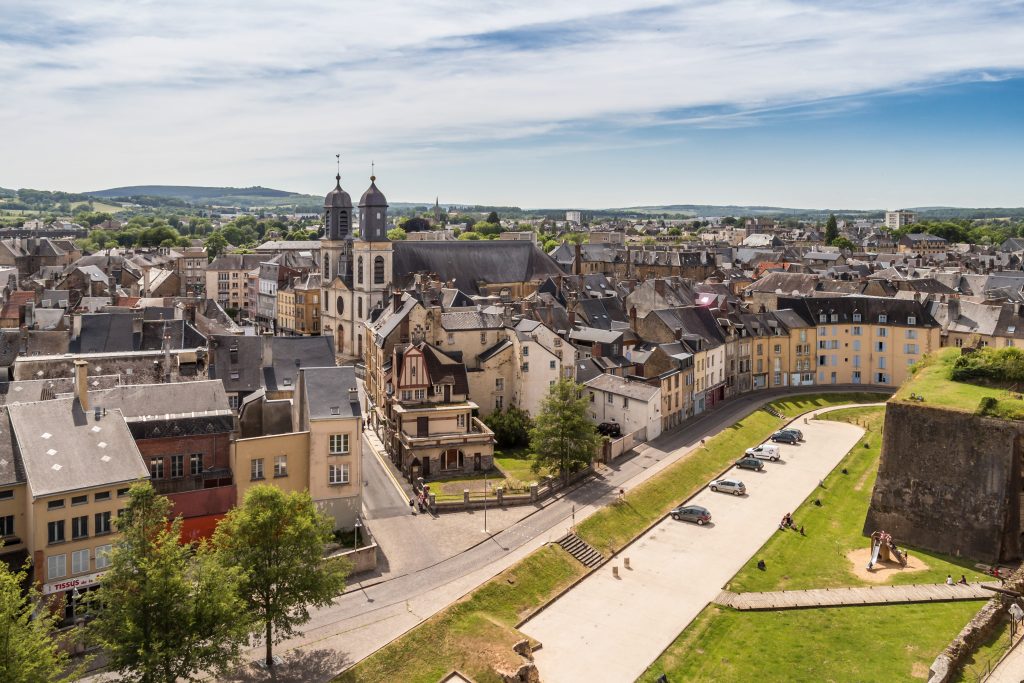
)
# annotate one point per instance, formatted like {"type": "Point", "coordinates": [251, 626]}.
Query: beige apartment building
{"type": "Point", "coordinates": [228, 281]}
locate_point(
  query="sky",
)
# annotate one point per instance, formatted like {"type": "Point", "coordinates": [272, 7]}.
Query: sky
{"type": "Point", "coordinates": [596, 104]}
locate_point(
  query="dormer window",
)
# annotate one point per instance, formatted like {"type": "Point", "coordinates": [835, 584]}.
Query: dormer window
{"type": "Point", "coordinates": [856, 317]}
{"type": "Point", "coordinates": [335, 410]}
{"type": "Point", "coordinates": [287, 381]}
{"type": "Point", "coordinates": [822, 318]}
{"type": "Point", "coordinates": [911, 320]}
{"type": "Point", "coordinates": [835, 317]}
{"type": "Point", "coordinates": [883, 318]}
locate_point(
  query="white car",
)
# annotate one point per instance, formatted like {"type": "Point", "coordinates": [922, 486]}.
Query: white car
{"type": "Point", "coordinates": [765, 451]}
{"type": "Point", "coordinates": [733, 486]}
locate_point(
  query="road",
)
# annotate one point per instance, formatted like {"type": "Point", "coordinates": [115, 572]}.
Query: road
{"type": "Point", "coordinates": [612, 628]}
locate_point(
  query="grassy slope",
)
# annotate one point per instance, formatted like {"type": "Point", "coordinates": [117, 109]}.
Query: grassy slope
{"type": "Point", "coordinates": [471, 633]}
{"type": "Point", "coordinates": [818, 560]}
{"type": "Point", "coordinates": [931, 380]}
{"type": "Point", "coordinates": [888, 643]}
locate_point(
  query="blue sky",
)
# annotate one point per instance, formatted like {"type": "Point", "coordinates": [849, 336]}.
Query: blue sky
{"type": "Point", "coordinates": [592, 104]}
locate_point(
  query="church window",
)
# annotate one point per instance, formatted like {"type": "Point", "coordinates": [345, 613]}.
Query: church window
{"type": "Point", "coordinates": [327, 265]}
{"type": "Point", "coordinates": [360, 302]}
{"type": "Point", "coordinates": [341, 306]}
{"type": "Point", "coordinates": [359, 270]}
{"type": "Point", "coordinates": [378, 270]}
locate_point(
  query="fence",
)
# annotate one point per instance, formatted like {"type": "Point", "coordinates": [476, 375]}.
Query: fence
{"type": "Point", "coordinates": [538, 491]}
{"type": "Point", "coordinates": [613, 449]}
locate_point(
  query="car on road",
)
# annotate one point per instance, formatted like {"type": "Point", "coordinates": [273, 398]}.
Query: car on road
{"type": "Point", "coordinates": [746, 463]}
{"type": "Point", "coordinates": [794, 430]}
{"type": "Point", "coordinates": [784, 436]}
{"type": "Point", "coordinates": [733, 486]}
{"type": "Point", "coordinates": [764, 452]}
{"type": "Point", "coordinates": [691, 513]}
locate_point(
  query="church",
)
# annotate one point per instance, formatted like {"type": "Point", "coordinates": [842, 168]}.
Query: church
{"type": "Point", "coordinates": [356, 268]}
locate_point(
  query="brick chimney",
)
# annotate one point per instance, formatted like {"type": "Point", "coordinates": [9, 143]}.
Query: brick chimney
{"type": "Point", "coordinates": [396, 301]}
{"type": "Point", "coordinates": [82, 383]}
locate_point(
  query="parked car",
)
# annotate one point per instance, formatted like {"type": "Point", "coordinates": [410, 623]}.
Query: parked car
{"type": "Point", "coordinates": [750, 464]}
{"type": "Point", "coordinates": [691, 513]}
{"type": "Point", "coordinates": [611, 429]}
{"type": "Point", "coordinates": [764, 452]}
{"type": "Point", "coordinates": [733, 486]}
{"type": "Point", "coordinates": [785, 437]}
{"type": "Point", "coordinates": [794, 430]}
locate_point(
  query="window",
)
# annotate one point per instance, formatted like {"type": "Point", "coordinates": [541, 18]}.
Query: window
{"type": "Point", "coordinates": [526, 350]}
{"type": "Point", "coordinates": [378, 270]}
{"type": "Point", "coordinates": [7, 525]}
{"type": "Point", "coordinates": [420, 394]}
{"type": "Point", "coordinates": [856, 317]}
{"type": "Point", "coordinates": [911, 320]}
{"type": "Point", "coordinates": [552, 365]}
{"type": "Point", "coordinates": [55, 531]}
{"type": "Point", "coordinates": [80, 561]}
{"type": "Point", "coordinates": [499, 402]}
{"type": "Point", "coordinates": [102, 520]}
{"type": "Point", "coordinates": [233, 401]}
{"type": "Point", "coordinates": [451, 338]}
{"type": "Point", "coordinates": [882, 319]}
{"type": "Point", "coordinates": [526, 367]}
{"type": "Point", "coordinates": [882, 378]}
{"type": "Point", "coordinates": [856, 376]}
{"type": "Point", "coordinates": [121, 493]}
{"type": "Point", "coordinates": [483, 337]}
{"type": "Point", "coordinates": [102, 495]}
{"type": "Point", "coordinates": [337, 474]}
{"type": "Point", "coordinates": [359, 305]}
{"type": "Point", "coordinates": [881, 361]}
{"type": "Point", "coordinates": [880, 346]}
{"type": "Point", "coordinates": [56, 566]}
{"type": "Point", "coordinates": [359, 271]}
{"type": "Point", "coordinates": [856, 330]}
{"type": "Point", "coordinates": [80, 527]}
{"type": "Point", "coordinates": [499, 384]}
{"type": "Point", "coordinates": [406, 395]}
{"type": "Point", "coordinates": [7, 495]}
{"type": "Point", "coordinates": [461, 419]}
{"type": "Point", "coordinates": [156, 468]}
{"type": "Point", "coordinates": [103, 556]}
{"type": "Point", "coordinates": [280, 465]}
{"type": "Point", "coordinates": [452, 460]}
{"type": "Point", "coordinates": [437, 389]}
{"type": "Point", "coordinates": [835, 317]}
{"type": "Point", "coordinates": [625, 402]}
{"type": "Point", "coordinates": [177, 466]}
{"type": "Point", "coordinates": [856, 361]}
{"type": "Point", "coordinates": [55, 504]}
{"type": "Point", "coordinates": [883, 332]}
{"type": "Point", "coordinates": [339, 444]}
{"type": "Point", "coordinates": [910, 348]}
{"type": "Point", "coordinates": [79, 500]}
{"type": "Point", "coordinates": [911, 334]}
{"type": "Point", "coordinates": [195, 463]}
{"type": "Point", "coordinates": [778, 348]}
{"type": "Point", "coordinates": [856, 344]}
{"type": "Point", "coordinates": [822, 317]}
{"type": "Point", "coordinates": [611, 399]}
{"type": "Point", "coordinates": [256, 469]}
{"type": "Point", "coordinates": [822, 331]}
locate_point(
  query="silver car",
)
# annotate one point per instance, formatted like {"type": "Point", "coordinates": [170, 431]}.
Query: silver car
{"type": "Point", "coordinates": [733, 486]}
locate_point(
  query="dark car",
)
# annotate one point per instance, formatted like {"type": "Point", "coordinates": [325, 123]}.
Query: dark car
{"type": "Point", "coordinates": [794, 430]}
{"type": "Point", "coordinates": [785, 437]}
{"type": "Point", "coordinates": [750, 464]}
{"type": "Point", "coordinates": [691, 513]}
{"type": "Point", "coordinates": [611, 429]}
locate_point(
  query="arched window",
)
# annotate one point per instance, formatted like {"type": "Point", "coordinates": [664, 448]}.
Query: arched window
{"type": "Point", "coordinates": [327, 265]}
{"type": "Point", "coordinates": [360, 307]}
{"type": "Point", "coordinates": [359, 271]}
{"type": "Point", "coordinates": [341, 306]}
{"type": "Point", "coordinates": [378, 270]}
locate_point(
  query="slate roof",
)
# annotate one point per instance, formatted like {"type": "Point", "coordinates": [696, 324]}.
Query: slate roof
{"type": "Point", "coordinates": [612, 384]}
{"type": "Point", "coordinates": [471, 320]}
{"type": "Point", "coordinates": [236, 262]}
{"type": "Point", "coordinates": [330, 392]}
{"type": "Point", "coordinates": [183, 335]}
{"type": "Point", "coordinates": [494, 350]}
{"type": "Point", "coordinates": [897, 311]}
{"type": "Point", "coordinates": [292, 353]}
{"type": "Point", "coordinates": [64, 448]}
{"type": "Point", "coordinates": [106, 333]}
{"type": "Point", "coordinates": [29, 390]}
{"type": "Point", "coordinates": [593, 334]}
{"type": "Point", "coordinates": [11, 469]}
{"type": "Point", "coordinates": [471, 263]}
{"type": "Point", "coordinates": [138, 401]}
{"type": "Point", "coordinates": [441, 368]}
{"type": "Point", "coordinates": [695, 323]}
{"type": "Point", "coordinates": [241, 371]}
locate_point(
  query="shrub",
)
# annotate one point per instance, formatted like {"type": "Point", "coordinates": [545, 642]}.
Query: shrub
{"type": "Point", "coordinates": [511, 428]}
{"type": "Point", "coordinates": [987, 406]}
{"type": "Point", "coordinates": [990, 366]}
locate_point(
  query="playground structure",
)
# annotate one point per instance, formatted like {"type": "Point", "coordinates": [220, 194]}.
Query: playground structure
{"type": "Point", "coordinates": [883, 549]}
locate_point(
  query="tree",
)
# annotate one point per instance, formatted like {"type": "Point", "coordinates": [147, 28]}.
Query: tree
{"type": "Point", "coordinates": [469, 235]}
{"type": "Point", "coordinates": [831, 229]}
{"type": "Point", "coordinates": [562, 438]}
{"type": "Point", "coordinates": [278, 539]}
{"type": "Point", "coordinates": [492, 217]}
{"type": "Point", "coordinates": [215, 245]}
{"type": "Point", "coordinates": [28, 653]}
{"type": "Point", "coordinates": [415, 224]}
{"type": "Point", "coordinates": [511, 428]}
{"type": "Point", "coordinates": [396, 234]}
{"type": "Point", "coordinates": [843, 243]}
{"type": "Point", "coordinates": [165, 610]}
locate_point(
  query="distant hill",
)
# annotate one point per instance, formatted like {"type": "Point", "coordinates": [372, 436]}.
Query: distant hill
{"type": "Point", "coordinates": [191, 193]}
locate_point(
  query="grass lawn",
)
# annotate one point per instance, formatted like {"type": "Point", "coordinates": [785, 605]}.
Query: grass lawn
{"type": "Point", "coordinates": [473, 634]}
{"type": "Point", "coordinates": [931, 380]}
{"type": "Point", "coordinates": [516, 464]}
{"type": "Point", "coordinates": [885, 643]}
{"type": "Point", "coordinates": [818, 560]}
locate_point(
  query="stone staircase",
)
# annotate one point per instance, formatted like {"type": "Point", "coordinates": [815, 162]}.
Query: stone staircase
{"type": "Point", "coordinates": [771, 411]}
{"type": "Point", "coordinates": [581, 550]}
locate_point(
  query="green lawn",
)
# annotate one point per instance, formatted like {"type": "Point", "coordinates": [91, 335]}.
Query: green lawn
{"type": "Point", "coordinates": [517, 465]}
{"type": "Point", "coordinates": [885, 643]}
{"type": "Point", "coordinates": [474, 634]}
{"type": "Point", "coordinates": [818, 560]}
{"type": "Point", "coordinates": [931, 380]}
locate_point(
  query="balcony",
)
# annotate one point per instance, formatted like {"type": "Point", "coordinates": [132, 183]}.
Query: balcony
{"type": "Point", "coordinates": [478, 433]}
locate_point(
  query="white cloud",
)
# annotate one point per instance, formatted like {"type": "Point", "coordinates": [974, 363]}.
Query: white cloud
{"type": "Point", "coordinates": [123, 92]}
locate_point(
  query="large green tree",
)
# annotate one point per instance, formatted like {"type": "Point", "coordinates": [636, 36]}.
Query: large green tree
{"type": "Point", "coordinates": [166, 611]}
{"type": "Point", "coordinates": [215, 245]}
{"type": "Point", "coordinates": [831, 229]}
{"type": "Point", "coordinates": [28, 652]}
{"type": "Point", "coordinates": [278, 539]}
{"type": "Point", "coordinates": [562, 438]}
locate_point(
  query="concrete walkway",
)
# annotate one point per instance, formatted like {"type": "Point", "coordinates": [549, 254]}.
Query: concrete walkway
{"type": "Point", "coordinates": [865, 595]}
{"type": "Point", "coordinates": [611, 629]}
{"type": "Point", "coordinates": [1011, 668]}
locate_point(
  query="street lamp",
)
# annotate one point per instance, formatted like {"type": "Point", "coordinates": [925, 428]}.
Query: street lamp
{"type": "Point", "coordinates": [358, 525]}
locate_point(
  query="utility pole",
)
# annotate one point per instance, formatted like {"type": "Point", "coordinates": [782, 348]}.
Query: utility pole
{"type": "Point", "coordinates": [485, 501]}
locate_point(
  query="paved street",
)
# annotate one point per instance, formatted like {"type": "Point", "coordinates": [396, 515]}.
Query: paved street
{"type": "Point", "coordinates": [611, 628]}
{"type": "Point", "coordinates": [1011, 669]}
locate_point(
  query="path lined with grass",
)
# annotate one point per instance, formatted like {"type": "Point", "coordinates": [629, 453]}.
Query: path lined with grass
{"type": "Point", "coordinates": [438, 645]}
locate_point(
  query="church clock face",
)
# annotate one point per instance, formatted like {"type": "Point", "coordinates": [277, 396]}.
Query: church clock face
{"type": "Point", "coordinates": [341, 305]}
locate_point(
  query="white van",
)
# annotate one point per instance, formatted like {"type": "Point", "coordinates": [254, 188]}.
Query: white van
{"type": "Point", "coordinates": [765, 451]}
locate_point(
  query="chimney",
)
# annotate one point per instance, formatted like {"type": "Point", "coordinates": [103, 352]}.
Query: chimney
{"type": "Point", "coordinates": [953, 309]}
{"type": "Point", "coordinates": [82, 383]}
{"type": "Point", "coordinates": [632, 318]}
{"type": "Point", "coordinates": [396, 301]}
{"type": "Point", "coordinates": [659, 287]}
{"type": "Point", "coordinates": [577, 266]}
